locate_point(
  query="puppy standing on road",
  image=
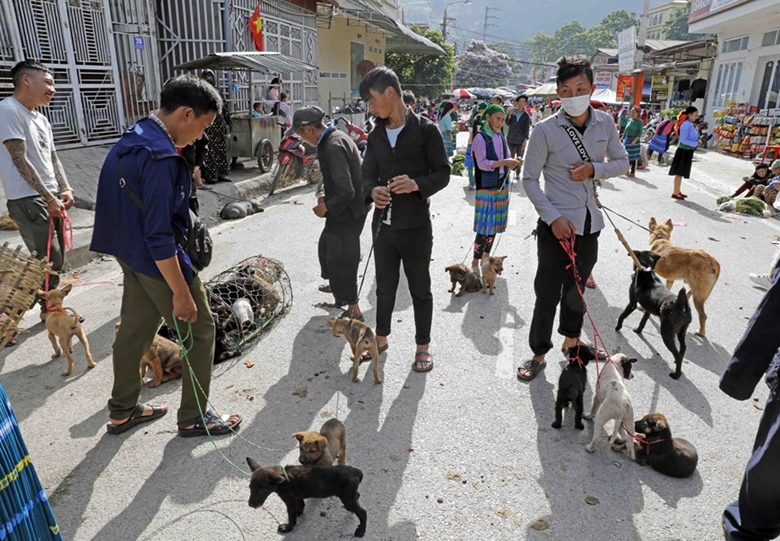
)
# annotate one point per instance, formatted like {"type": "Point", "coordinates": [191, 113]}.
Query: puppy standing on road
{"type": "Point", "coordinates": [613, 403]}
{"type": "Point", "coordinates": [492, 267]}
{"type": "Point", "coordinates": [670, 456]}
{"type": "Point", "coordinates": [695, 267]}
{"type": "Point", "coordinates": [321, 449]}
{"type": "Point", "coordinates": [468, 280]}
{"type": "Point", "coordinates": [64, 323]}
{"type": "Point", "coordinates": [571, 385]}
{"type": "Point", "coordinates": [294, 484]}
{"type": "Point", "coordinates": [361, 338]}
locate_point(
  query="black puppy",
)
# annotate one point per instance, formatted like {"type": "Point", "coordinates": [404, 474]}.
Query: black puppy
{"type": "Point", "coordinates": [670, 456]}
{"type": "Point", "coordinates": [571, 385]}
{"type": "Point", "coordinates": [294, 484]}
{"type": "Point", "coordinates": [648, 290]}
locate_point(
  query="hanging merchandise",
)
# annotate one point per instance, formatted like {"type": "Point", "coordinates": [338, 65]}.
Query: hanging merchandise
{"type": "Point", "coordinates": [744, 134]}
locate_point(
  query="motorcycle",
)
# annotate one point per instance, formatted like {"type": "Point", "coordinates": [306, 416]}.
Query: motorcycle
{"type": "Point", "coordinates": [359, 136]}
{"type": "Point", "coordinates": [649, 130]}
{"type": "Point", "coordinates": [704, 135]}
{"type": "Point", "coordinates": [297, 159]}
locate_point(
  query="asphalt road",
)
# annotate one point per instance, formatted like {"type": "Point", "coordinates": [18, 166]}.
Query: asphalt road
{"type": "Point", "coordinates": [465, 452]}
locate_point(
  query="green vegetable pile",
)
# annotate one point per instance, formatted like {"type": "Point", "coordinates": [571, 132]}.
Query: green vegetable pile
{"type": "Point", "coordinates": [457, 165]}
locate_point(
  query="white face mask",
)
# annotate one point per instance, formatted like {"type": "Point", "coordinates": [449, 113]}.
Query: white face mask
{"type": "Point", "coordinates": [575, 106]}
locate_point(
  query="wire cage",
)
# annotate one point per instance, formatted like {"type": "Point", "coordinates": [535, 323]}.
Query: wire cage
{"type": "Point", "coordinates": [21, 276]}
{"type": "Point", "coordinates": [245, 299]}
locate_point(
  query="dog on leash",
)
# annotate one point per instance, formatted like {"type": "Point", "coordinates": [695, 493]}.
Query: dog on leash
{"type": "Point", "coordinates": [571, 385]}
{"type": "Point", "coordinates": [611, 402]}
{"type": "Point", "coordinates": [460, 274]}
{"type": "Point", "coordinates": [695, 267]}
{"type": "Point", "coordinates": [294, 484]}
{"type": "Point", "coordinates": [163, 358]}
{"type": "Point", "coordinates": [64, 324]}
{"type": "Point", "coordinates": [492, 267]}
{"type": "Point", "coordinates": [670, 456]}
{"type": "Point", "coordinates": [361, 338]}
{"type": "Point", "coordinates": [673, 310]}
{"type": "Point", "coordinates": [321, 449]}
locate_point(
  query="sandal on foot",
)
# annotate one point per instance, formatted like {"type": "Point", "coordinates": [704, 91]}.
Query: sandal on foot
{"type": "Point", "coordinates": [533, 366]}
{"type": "Point", "coordinates": [600, 353]}
{"type": "Point", "coordinates": [325, 288]}
{"type": "Point", "coordinates": [219, 425]}
{"type": "Point", "coordinates": [358, 317]}
{"type": "Point", "coordinates": [136, 418]}
{"type": "Point", "coordinates": [423, 361]}
{"type": "Point", "coordinates": [367, 356]}
{"type": "Point", "coordinates": [590, 283]}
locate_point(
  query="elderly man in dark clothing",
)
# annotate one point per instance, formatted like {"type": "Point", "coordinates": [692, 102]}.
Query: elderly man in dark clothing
{"type": "Point", "coordinates": [519, 124]}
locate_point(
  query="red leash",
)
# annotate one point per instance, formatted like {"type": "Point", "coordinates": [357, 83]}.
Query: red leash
{"type": "Point", "coordinates": [67, 225]}
{"type": "Point", "coordinates": [643, 441]}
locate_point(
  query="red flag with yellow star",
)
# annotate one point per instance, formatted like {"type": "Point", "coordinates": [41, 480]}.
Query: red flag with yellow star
{"type": "Point", "coordinates": [256, 28]}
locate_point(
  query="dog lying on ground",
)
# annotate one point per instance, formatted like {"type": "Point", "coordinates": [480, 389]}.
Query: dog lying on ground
{"type": "Point", "coordinates": [361, 338]}
{"type": "Point", "coordinates": [571, 385]}
{"type": "Point", "coordinates": [239, 209]}
{"type": "Point", "coordinates": [460, 274]}
{"type": "Point", "coordinates": [673, 310]}
{"type": "Point", "coordinates": [492, 267]}
{"type": "Point", "coordinates": [294, 484]}
{"type": "Point", "coordinates": [611, 402]}
{"type": "Point", "coordinates": [695, 267]}
{"type": "Point", "coordinates": [670, 456]}
{"type": "Point", "coordinates": [63, 324]}
{"type": "Point", "coordinates": [163, 358]}
{"type": "Point", "coordinates": [321, 449]}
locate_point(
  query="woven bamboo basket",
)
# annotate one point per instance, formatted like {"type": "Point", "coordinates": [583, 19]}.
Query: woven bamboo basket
{"type": "Point", "coordinates": [21, 276]}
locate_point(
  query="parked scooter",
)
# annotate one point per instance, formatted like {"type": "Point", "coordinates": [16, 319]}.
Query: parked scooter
{"type": "Point", "coordinates": [649, 130]}
{"type": "Point", "coordinates": [297, 159]}
{"type": "Point", "coordinates": [359, 136]}
{"type": "Point", "coordinates": [704, 132]}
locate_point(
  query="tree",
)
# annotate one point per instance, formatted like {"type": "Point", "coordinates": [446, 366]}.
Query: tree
{"type": "Point", "coordinates": [481, 66]}
{"type": "Point", "coordinates": [676, 26]}
{"type": "Point", "coordinates": [604, 34]}
{"type": "Point", "coordinates": [572, 39]}
{"type": "Point", "coordinates": [425, 75]}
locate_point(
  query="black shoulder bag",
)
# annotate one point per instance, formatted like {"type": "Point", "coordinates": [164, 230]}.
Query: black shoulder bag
{"type": "Point", "coordinates": [197, 244]}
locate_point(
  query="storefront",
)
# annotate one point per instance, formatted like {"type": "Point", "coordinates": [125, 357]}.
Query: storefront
{"type": "Point", "coordinates": [745, 82]}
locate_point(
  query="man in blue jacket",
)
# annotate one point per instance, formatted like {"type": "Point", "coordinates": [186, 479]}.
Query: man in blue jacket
{"type": "Point", "coordinates": [159, 281]}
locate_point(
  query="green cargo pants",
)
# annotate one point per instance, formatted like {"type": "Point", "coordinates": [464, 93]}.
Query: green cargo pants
{"type": "Point", "coordinates": [145, 300]}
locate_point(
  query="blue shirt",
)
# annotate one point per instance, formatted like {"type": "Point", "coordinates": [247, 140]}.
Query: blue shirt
{"type": "Point", "coordinates": [160, 177]}
{"type": "Point", "coordinates": [689, 135]}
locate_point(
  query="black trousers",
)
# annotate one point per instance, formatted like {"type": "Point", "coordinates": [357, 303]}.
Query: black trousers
{"type": "Point", "coordinates": [554, 284]}
{"type": "Point", "coordinates": [412, 248]}
{"type": "Point", "coordinates": [339, 254]}
{"type": "Point", "coordinates": [755, 515]}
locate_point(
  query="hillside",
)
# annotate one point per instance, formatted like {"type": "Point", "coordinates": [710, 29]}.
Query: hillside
{"type": "Point", "coordinates": [515, 20]}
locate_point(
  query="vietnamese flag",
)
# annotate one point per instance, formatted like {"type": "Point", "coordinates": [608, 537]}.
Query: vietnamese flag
{"type": "Point", "coordinates": [256, 28]}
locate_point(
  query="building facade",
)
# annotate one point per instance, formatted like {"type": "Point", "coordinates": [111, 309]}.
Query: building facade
{"type": "Point", "coordinates": [746, 69]}
{"type": "Point", "coordinates": [658, 15]}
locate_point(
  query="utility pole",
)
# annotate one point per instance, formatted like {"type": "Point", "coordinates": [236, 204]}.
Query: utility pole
{"type": "Point", "coordinates": [444, 22]}
{"type": "Point", "coordinates": [487, 17]}
{"type": "Point", "coordinates": [639, 57]}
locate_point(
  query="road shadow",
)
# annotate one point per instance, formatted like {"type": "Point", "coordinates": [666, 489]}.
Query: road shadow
{"type": "Point", "coordinates": [714, 215]}
{"type": "Point", "coordinates": [485, 315]}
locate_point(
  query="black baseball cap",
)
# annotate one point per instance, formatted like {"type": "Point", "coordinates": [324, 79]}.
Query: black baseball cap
{"type": "Point", "coordinates": [305, 116]}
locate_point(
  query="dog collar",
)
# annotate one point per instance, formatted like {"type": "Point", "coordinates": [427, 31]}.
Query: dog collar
{"type": "Point", "coordinates": [54, 307]}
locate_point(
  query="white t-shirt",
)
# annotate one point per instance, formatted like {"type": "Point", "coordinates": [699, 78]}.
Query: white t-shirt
{"type": "Point", "coordinates": [18, 122]}
{"type": "Point", "coordinates": [392, 135]}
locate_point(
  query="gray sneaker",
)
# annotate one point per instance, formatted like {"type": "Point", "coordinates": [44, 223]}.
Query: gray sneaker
{"type": "Point", "coordinates": [760, 280]}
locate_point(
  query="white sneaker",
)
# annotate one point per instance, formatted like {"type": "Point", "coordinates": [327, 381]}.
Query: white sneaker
{"type": "Point", "coordinates": [760, 280]}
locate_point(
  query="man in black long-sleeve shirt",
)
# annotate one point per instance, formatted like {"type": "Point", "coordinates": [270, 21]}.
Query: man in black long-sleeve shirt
{"type": "Point", "coordinates": [405, 163]}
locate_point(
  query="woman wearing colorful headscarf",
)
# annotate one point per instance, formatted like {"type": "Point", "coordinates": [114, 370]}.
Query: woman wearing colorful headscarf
{"type": "Point", "coordinates": [632, 133]}
{"type": "Point", "coordinates": [493, 161]}
{"type": "Point", "coordinates": [447, 126]}
{"type": "Point", "coordinates": [475, 124]}
{"type": "Point", "coordinates": [683, 156]}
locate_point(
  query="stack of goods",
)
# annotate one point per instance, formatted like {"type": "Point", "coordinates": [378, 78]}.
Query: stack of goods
{"type": "Point", "coordinates": [744, 134]}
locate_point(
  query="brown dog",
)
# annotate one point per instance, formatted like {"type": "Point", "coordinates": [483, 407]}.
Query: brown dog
{"type": "Point", "coordinates": [361, 338]}
{"type": "Point", "coordinates": [492, 267]}
{"type": "Point", "coordinates": [163, 358]}
{"type": "Point", "coordinates": [670, 456]}
{"type": "Point", "coordinates": [695, 267]}
{"type": "Point", "coordinates": [323, 448]}
{"type": "Point", "coordinates": [460, 274]}
{"type": "Point", "coordinates": [63, 324]}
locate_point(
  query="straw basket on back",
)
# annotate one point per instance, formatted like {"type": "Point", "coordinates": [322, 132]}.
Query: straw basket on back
{"type": "Point", "coordinates": [21, 276]}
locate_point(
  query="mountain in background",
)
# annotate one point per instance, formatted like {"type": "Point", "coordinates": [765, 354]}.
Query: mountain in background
{"type": "Point", "coordinates": [515, 21]}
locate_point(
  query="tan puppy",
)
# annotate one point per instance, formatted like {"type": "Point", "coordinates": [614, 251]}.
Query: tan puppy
{"type": "Point", "coordinates": [492, 267]}
{"type": "Point", "coordinates": [323, 448]}
{"type": "Point", "coordinates": [361, 338]}
{"type": "Point", "coordinates": [695, 267]}
{"type": "Point", "coordinates": [460, 274]}
{"type": "Point", "coordinates": [63, 324]}
{"type": "Point", "coordinates": [163, 358]}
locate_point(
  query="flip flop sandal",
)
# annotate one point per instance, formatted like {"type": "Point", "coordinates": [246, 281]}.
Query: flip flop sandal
{"type": "Point", "coordinates": [590, 283]}
{"type": "Point", "coordinates": [423, 358]}
{"type": "Point", "coordinates": [219, 426]}
{"type": "Point", "coordinates": [329, 305]}
{"type": "Point", "coordinates": [325, 288]}
{"type": "Point", "coordinates": [367, 356]}
{"type": "Point", "coordinates": [206, 187]}
{"type": "Point", "coordinates": [600, 353]}
{"type": "Point", "coordinates": [345, 313]}
{"type": "Point", "coordinates": [533, 366]}
{"type": "Point", "coordinates": [136, 418]}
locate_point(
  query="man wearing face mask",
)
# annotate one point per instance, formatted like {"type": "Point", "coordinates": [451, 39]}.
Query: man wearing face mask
{"type": "Point", "coordinates": [569, 148]}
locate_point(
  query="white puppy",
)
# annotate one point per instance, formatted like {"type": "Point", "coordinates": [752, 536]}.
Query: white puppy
{"type": "Point", "coordinates": [612, 402]}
